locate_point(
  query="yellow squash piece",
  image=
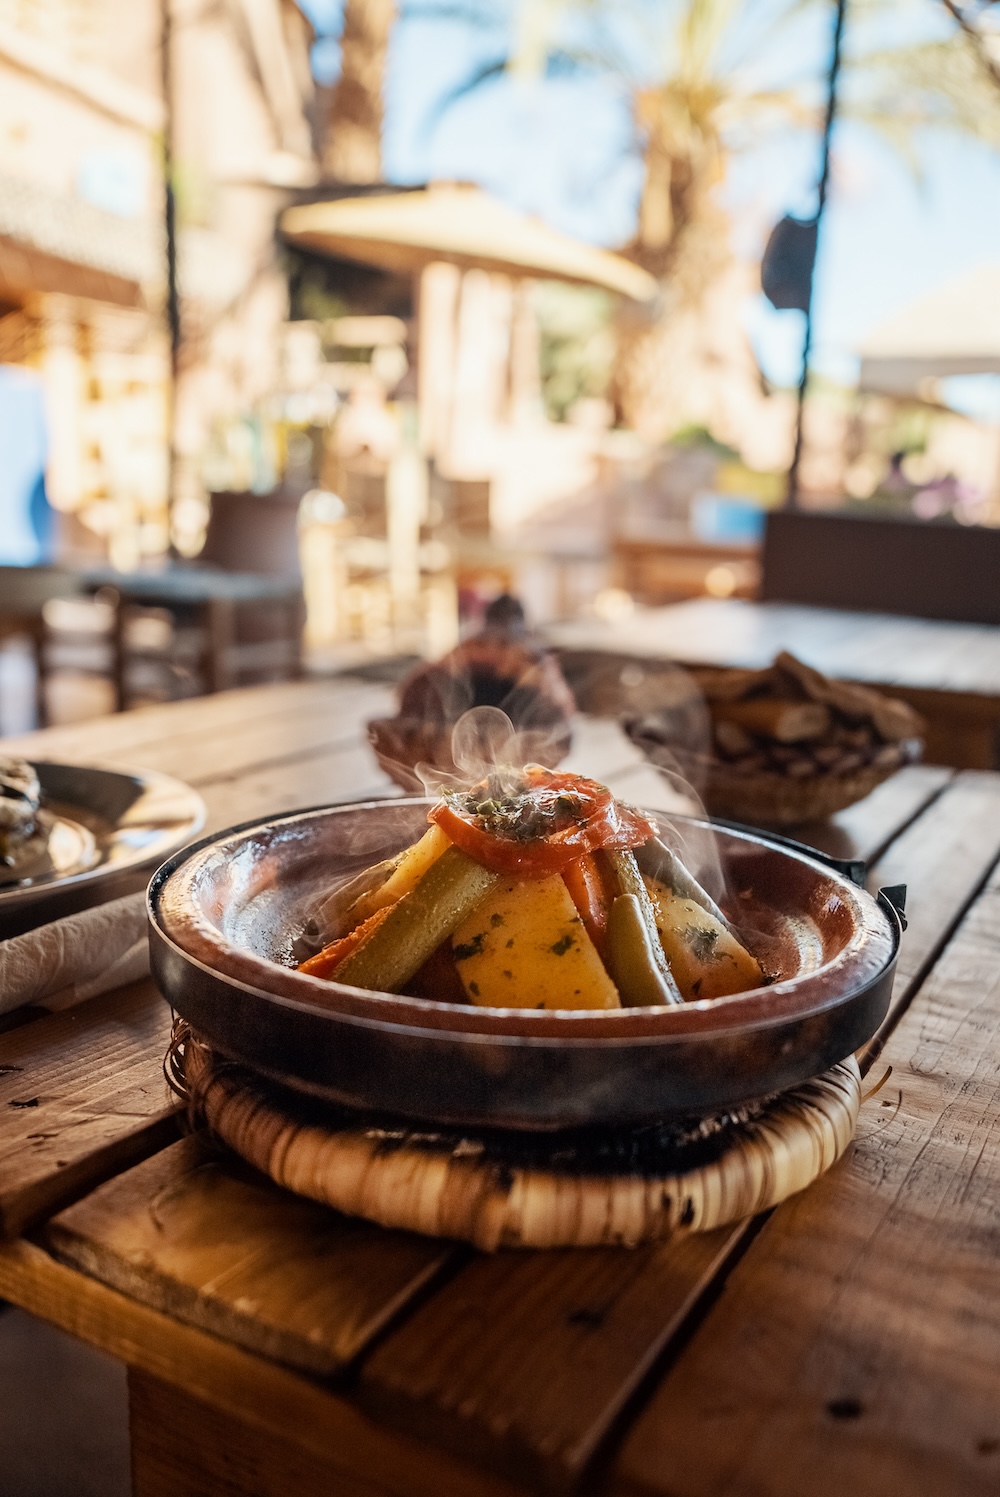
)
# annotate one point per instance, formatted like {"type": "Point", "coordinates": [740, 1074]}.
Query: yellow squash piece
{"type": "Point", "coordinates": [525, 946]}
{"type": "Point", "coordinates": [706, 961]}
{"type": "Point", "coordinates": [408, 872]}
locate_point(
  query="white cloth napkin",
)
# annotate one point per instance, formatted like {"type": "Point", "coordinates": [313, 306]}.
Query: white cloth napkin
{"type": "Point", "coordinates": [76, 958]}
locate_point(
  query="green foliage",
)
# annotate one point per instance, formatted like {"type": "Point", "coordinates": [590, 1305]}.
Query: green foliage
{"type": "Point", "coordinates": [195, 194]}
{"type": "Point", "coordinates": [700, 436]}
{"type": "Point", "coordinates": [577, 344]}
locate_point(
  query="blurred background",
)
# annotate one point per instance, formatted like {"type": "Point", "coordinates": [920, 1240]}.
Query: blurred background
{"type": "Point", "coordinates": [322, 324]}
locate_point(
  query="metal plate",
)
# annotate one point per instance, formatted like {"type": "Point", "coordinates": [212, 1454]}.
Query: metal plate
{"type": "Point", "coordinates": [222, 916]}
{"type": "Point", "coordinates": [103, 832]}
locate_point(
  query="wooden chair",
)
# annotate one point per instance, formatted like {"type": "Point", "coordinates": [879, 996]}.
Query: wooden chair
{"type": "Point", "coordinates": [24, 591]}
{"type": "Point", "coordinates": [877, 564]}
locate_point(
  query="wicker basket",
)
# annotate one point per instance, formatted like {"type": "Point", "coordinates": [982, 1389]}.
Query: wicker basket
{"type": "Point", "coordinates": [401, 743]}
{"type": "Point", "coordinates": [771, 799]}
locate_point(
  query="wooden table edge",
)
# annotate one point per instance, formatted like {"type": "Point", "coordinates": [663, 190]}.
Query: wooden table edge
{"type": "Point", "coordinates": [224, 1376]}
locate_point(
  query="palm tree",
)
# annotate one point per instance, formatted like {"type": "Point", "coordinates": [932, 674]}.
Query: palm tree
{"type": "Point", "coordinates": [352, 149]}
{"type": "Point", "coordinates": [694, 75]}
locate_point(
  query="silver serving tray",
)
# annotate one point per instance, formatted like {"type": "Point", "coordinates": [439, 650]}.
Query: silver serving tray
{"type": "Point", "coordinates": [102, 833]}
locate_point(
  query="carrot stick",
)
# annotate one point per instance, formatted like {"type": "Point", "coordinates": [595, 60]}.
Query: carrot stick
{"type": "Point", "coordinates": [586, 889]}
{"type": "Point", "coordinates": [325, 962]}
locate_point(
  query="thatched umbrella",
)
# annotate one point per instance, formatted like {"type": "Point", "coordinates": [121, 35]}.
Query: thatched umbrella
{"type": "Point", "coordinates": [464, 226]}
{"type": "Point", "coordinates": [954, 329]}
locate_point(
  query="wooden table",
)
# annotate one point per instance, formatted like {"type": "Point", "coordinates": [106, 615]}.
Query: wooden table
{"type": "Point", "coordinates": [654, 570]}
{"type": "Point", "coordinates": [949, 672]}
{"type": "Point", "coordinates": [848, 1342]}
{"type": "Point", "coordinates": [213, 599]}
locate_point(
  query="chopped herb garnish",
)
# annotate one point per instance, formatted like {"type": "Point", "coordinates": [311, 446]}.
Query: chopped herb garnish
{"type": "Point", "coordinates": [563, 944]}
{"type": "Point", "coordinates": [523, 814]}
{"type": "Point", "coordinates": [702, 942]}
{"type": "Point", "coordinates": [474, 947]}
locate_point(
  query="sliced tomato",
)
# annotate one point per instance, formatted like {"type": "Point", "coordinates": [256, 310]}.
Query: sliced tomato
{"type": "Point", "coordinates": [561, 817]}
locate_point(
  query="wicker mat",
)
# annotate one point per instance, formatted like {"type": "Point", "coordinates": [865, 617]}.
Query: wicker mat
{"type": "Point", "coordinates": [511, 1190]}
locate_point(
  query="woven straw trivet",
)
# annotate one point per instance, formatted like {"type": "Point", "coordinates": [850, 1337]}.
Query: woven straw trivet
{"type": "Point", "coordinates": [515, 1192]}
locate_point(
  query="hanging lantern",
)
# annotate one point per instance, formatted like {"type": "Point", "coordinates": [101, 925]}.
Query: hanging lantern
{"type": "Point", "coordinates": [786, 270]}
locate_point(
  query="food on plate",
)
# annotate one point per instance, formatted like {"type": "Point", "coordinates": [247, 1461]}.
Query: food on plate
{"type": "Point", "coordinates": [20, 797]}
{"type": "Point", "coordinates": [504, 666]}
{"type": "Point", "coordinates": [533, 889]}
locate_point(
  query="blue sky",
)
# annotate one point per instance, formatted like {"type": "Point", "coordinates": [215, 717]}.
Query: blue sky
{"type": "Point", "coordinates": [560, 148]}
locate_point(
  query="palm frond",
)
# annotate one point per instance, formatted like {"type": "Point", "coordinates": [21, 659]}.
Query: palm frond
{"type": "Point", "coordinates": [935, 84]}
{"type": "Point", "coordinates": [895, 130]}
{"type": "Point", "coordinates": [560, 62]}
{"type": "Point", "coordinates": [487, 72]}
{"type": "Point", "coordinates": [472, 13]}
{"type": "Point", "coordinates": [700, 32]}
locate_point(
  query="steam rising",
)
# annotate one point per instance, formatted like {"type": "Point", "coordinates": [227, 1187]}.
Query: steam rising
{"type": "Point", "coordinates": [486, 745]}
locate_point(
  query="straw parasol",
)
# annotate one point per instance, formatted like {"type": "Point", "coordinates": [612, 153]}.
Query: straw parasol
{"type": "Point", "coordinates": [952, 330]}
{"type": "Point", "coordinates": [460, 224]}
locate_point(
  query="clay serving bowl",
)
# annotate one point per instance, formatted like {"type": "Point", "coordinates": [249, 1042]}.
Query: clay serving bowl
{"type": "Point", "coordinates": [224, 914]}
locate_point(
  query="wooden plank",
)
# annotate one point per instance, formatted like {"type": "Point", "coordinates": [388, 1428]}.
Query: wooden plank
{"type": "Point", "coordinates": [943, 858]}
{"type": "Point", "coordinates": [210, 1242]}
{"type": "Point", "coordinates": [223, 734]}
{"type": "Point", "coordinates": [341, 774]}
{"type": "Point", "coordinates": [525, 1360]}
{"type": "Point", "coordinates": [279, 1403]}
{"type": "Point", "coordinates": [856, 1345]}
{"type": "Point", "coordinates": [82, 1095]}
{"type": "Point", "coordinates": [202, 755]}
{"type": "Point", "coordinates": [866, 829]}
{"type": "Point", "coordinates": [929, 654]}
{"type": "Point", "coordinates": [123, 731]}
{"type": "Point", "coordinates": [182, 1447]}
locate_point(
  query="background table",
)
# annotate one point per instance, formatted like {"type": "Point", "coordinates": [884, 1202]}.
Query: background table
{"type": "Point", "coordinates": [949, 672]}
{"type": "Point", "coordinates": [850, 1341]}
{"type": "Point", "coordinates": [215, 600]}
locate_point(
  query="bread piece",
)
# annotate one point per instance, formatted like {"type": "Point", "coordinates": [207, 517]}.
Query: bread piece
{"type": "Point", "coordinates": [893, 720]}
{"type": "Point", "coordinates": [735, 685]}
{"type": "Point", "coordinates": [786, 722]}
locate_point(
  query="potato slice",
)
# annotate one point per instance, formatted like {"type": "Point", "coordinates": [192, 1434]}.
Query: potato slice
{"type": "Point", "coordinates": [525, 946]}
{"type": "Point", "coordinates": [707, 962]}
{"type": "Point", "coordinates": [408, 872]}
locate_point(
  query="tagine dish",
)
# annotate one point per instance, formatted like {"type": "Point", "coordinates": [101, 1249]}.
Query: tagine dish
{"type": "Point", "coordinates": [533, 890]}
{"type": "Point", "coordinates": [532, 1024]}
{"type": "Point", "coordinates": [525, 952]}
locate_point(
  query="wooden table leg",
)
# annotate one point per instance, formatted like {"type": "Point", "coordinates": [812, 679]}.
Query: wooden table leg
{"type": "Point", "coordinates": [220, 619]}
{"type": "Point", "coordinates": [182, 1447]}
{"type": "Point", "coordinates": [119, 652]}
{"type": "Point", "coordinates": [38, 652]}
{"type": "Point", "coordinates": [296, 624]}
